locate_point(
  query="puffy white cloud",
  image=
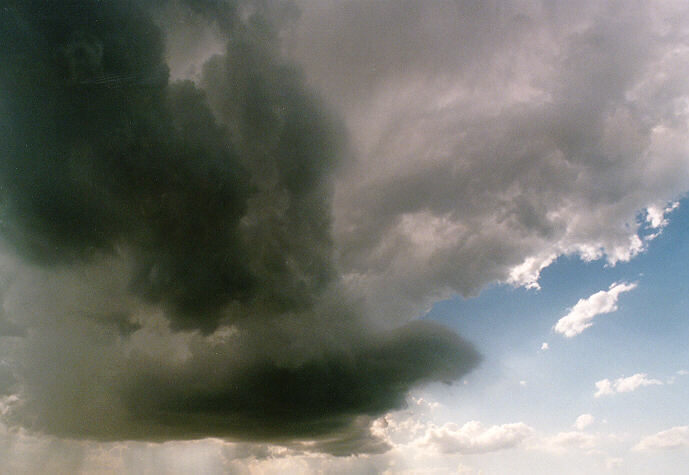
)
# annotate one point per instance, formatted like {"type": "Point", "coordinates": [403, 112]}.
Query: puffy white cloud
{"type": "Point", "coordinates": [605, 387]}
{"type": "Point", "coordinates": [656, 216]}
{"type": "Point", "coordinates": [623, 385]}
{"type": "Point", "coordinates": [582, 314]}
{"type": "Point", "coordinates": [657, 219]}
{"type": "Point", "coordinates": [545, 346]}
{"type": "Point", "coordinates": [583, 421]}
{"type": "Point", "coordinates": [674, 438]}
{"type": "Point", "coordinates": [473, 437]}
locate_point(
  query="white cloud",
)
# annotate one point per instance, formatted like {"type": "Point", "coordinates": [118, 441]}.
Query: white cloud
{"type": "Point", "coordinates": [656, 215]}
{"type": "Point", "coordinates": [673, 378]}
{"type": "Point", "coordinates": [414, 430]}
{"type": "Point", "coordinates": [545, 346]}
{"type": "Point", "coordinates": [656, 219]}
{"type": "Point", "coordinates": [473, 437]}
{"type": "Point", "coordinates": [576, 440]}
{"type": "Point", "coordinates": [582, 314]}
{"type": "Point", "coordinates": [423, 404]}
{"type": "Point", "coordinates": [565, 441]}
{"type": "Point", "coordinates": [583, 421]}
{"type": "Point", "coordinates": [605, 387]}
{"type": "Point", "coordinates": [674, 438]}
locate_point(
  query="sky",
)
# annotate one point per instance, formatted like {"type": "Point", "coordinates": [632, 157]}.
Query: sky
{"type": "Point", "coordinates": [344, 236]}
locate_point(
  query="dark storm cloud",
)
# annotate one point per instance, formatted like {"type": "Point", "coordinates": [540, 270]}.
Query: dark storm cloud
{"type": "Point", "coordinates": [101, 152]}
{"type": "Point", "coordinates": [319, 376]}
{"type": "Point", "coordinates": [265, 400]}
{"type": "Point", "coordinates": [224, 390]}
{"type": "Point", "coordinates": [171, 241]}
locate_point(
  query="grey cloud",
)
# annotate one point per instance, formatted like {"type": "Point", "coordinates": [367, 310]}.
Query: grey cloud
{"type": "Point", "coordinates": [319, 377]}
{"type": "Point", "coordinates": [10, 328]}
{"type": "Point", "coordinates": [492, 138]}
{"type": "Point", "coordinates": [265, 400]}
{"type": "Point", "coordinates": [169, 244]}
{"type": "Point", "coordinates": [103, 154]}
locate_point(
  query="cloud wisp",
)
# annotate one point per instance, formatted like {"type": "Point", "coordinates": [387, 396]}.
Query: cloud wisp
{"type": "Point", "coordinates": [605, 387]}
{"type": "Point", "coordinates": [674, 438]}
{"type": "Point", "coordinates": [473, 437]}
{"type": "Point", "coordinates": [581, 316]}
{"type": "Point", "coordinates": [415, 431]}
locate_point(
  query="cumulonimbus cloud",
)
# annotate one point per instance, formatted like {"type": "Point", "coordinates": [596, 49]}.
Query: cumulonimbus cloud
{"type": "Point", "coordinates": [179, 255]}
{"type": "Point", "coordinates": [167, 253]}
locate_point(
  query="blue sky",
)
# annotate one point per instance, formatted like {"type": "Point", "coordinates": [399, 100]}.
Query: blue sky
{"type": "Point", "coordinates": [646, 334]}
{"type": "Point", "coordinates": [507, 319]}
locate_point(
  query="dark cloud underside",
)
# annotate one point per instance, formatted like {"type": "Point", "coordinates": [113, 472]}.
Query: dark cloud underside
{"type": "Point", "coordinates": [267, 401]}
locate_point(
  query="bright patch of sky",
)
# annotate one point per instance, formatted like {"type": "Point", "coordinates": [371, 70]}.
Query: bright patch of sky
{"type": "Point", "coordinates": [644, 339]}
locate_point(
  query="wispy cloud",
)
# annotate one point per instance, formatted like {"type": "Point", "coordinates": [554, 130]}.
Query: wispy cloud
{"type": "Point", "coordinates": [605, 387]}
{"type": "Point", "coordinates": [582, 314]}
{"type": "Point", "coordinates": [674, 438]}
{"type": "Point", "coordinates": [564, 441]}
{"type": "Point", "coordinates": [473, 437]}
